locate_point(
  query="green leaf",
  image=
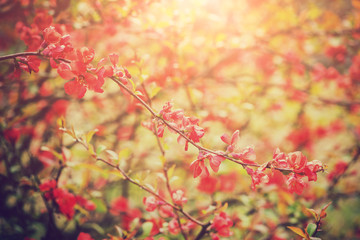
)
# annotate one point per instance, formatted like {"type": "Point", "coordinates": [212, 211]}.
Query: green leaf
{"type": "Point", "coordinates": [100, 149]}
{"type": "Point", "coordinates": [154, 91]}
{"type": "Point", "coordinates": [119, 230]}
{"type": "Point", "coordinates": [89, 135]}
{"type": "Point", "coordinates": [171, 171]}
{"type": "Point", "coordinates": [95, 227]}
{"type": "Point", "coordinates": [100, 205]}
{"type": "Point", "coordinates": [123, 154]}
{"type": "Point", "coordinates": [133, 85]}
{"type": "Point", "coordinates": [146, 226]}
{"type": "Point", "coordinates": [311, 228]}
{"type": "Point", "coordinates": [112, 155]}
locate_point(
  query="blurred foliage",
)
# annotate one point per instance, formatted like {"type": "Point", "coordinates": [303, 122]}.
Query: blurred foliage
{"type": "Point", "coordinates": [258, 66]}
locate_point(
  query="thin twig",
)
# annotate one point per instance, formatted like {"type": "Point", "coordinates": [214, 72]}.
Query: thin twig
{"type": "Point", "coordinates": [128, 178]}
{"type": "Point", "coordinates": [15, 55]}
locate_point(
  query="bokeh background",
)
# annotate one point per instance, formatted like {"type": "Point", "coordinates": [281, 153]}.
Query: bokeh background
{"type": "Point", "coordinates": [285, 73]}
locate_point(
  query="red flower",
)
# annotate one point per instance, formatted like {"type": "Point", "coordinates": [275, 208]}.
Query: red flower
{"type": "Point", "coordinates": [58, 109]}
{"type": "Point", "coordinates": [215, 161]}
{"type": "Point", "coordinates": [12, 135]}
{"type": "Point", "coordinates": [47, 185]}
{"type": "Point", "coordinates": [173, 227]}
{"type": "Point", "coordinates": [119, 205]}
{"type": "Point", "coordinates": [51, 36]}
{"type": "Point", "coordinates": [189, 126]}
{"type": "Point", "coordinates": [280, 159]}
{"type": "Point", "coordinates": [62, 49]}
{"type": "Point", "coordinates": [221, 224]}
{"type": "Point", "coordinates": [339, 169]}
{"type": "Point", "coordinates": [246, 155]}
{"type": "Point", "coordinates": [84, 236]}
{"type": "Point", "coordinates": [276, 177]}
{"type": "Point", "coordinates": [265, 63]}
{"type": "Point", "coordinates": [338, 53]}
{"type": "Point", "coordinates": [87, 204]}
{"type": "Point", "coordinates": [295, 184]}
{"type": "Point", "coordinates": [124, 133]}
{"type": "Point", "coordinates": [312, 168]}
{"type": "Point", "coordinates": [198, 166]}
{"type": "Point", "coordinates": [214, 236]}
{"type": "Point", "coordinates": [166, 211]}
{"type": "Point", "coordinates": [47, 158]}
{"type": "Point", "coordinates": [257, 177]}
{"type": "Point", "coordinates": [151, 203]}
{"type": "Point", "coordinates": [66, 202]}
{"type": "Point", "coordinates": [207, 184]}
{"type": "Point", "coordinates": [129, 216]}
{"type": "Point", "coordinates": [30, 63]}
{"type": "Point", "coordinates": [355, 69]}
{"type": "Point", "coordinates": [300, 136]}
{"type": "Point", "coordinates": [297, 161]}
{"type": "Point", "coordinates": [157, 224]}
{"type": "Point", "coordinates": [30, 36]}
{"type": "Point", "coordinates": [178, 197]}
{"type": "Point", "coordinates": [42, 20]}
{"type": "Point", "coordinates": [191, 130]}
{"type": "Point", "coordinates": [232, 142]}
{"type": "Point", "coordinates": [81, 79]}
{"type": "Point", "coordinates": [228, 182]}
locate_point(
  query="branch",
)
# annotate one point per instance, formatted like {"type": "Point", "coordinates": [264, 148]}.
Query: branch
{"type": "Point", "coordinates": [128, 178]}
{"type": "Point", "coordinates": [200, 148]}
{"type": "Point", "coordinates": [172, 199]}
{"type": "Point", "coordinates": [202, 232]}
{"type": "Point", "coordinates": [23, 54]}
{"type": "Point", "coordinates": [149, 191]}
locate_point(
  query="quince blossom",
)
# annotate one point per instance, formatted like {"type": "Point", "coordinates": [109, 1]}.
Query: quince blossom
{"type": "Point", "coordinates": [178, 197]}
{"type": "Point", "coordinates": [221, 224]}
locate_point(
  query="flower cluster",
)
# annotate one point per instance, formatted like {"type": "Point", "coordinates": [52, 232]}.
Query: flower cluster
{"type": "Point", "coordinates": [221, 224]}
{"type": "Point", "coordinates": [198, 166]}
{"type": "Point", "coordinates": [174, 228]}
{"type": "Point", "coordinates": [120, 207]}
{"type": "Point", "coordinates": [224, 183]}
{"type": "Point", "coordinates": [166, 211]}
{"type": "Point", "coordinates": [338, 53]}
{"type": "Point", "coordinates": [246, 155]}
{"type": "Point", "coordinates": [339, 169]}
{"type": "Point", "coordinates": [31, 35]}
{"type": "Point", "coordinates": [84, 236]}
{"type": "Point", "coordinates": [321, 73]}
{"type": "Point", "coordinates": [65, 200]}
{"type": "Point", "coordinates": [151, 203]}
{"type": "Point", "coordinates": [354, 70]}
{"type": "Point", "coordinates": [257, 176]}
{"type": "Point", "coordinates": [72, 64]}
{"type": "Point", "coordinates": [188, 126]}
{"type": "Point", "coordinates": [297, 163]}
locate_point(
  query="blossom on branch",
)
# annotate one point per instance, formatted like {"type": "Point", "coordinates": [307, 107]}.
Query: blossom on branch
{"type": "Point", "coordinates": [80, 78]}
{"type": "Point", "coordinates": [151, 203]}
{"type": "Point", "coordinates": [198, 165]}
{"type": "Point", "coordinates": [178, 197]}
{"type": "Point", "coordinates": [188, 126]}
{"type": "Point", "coordinates": [246, 155]}
{"type": "Point", "coordinates": [221, 224]}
